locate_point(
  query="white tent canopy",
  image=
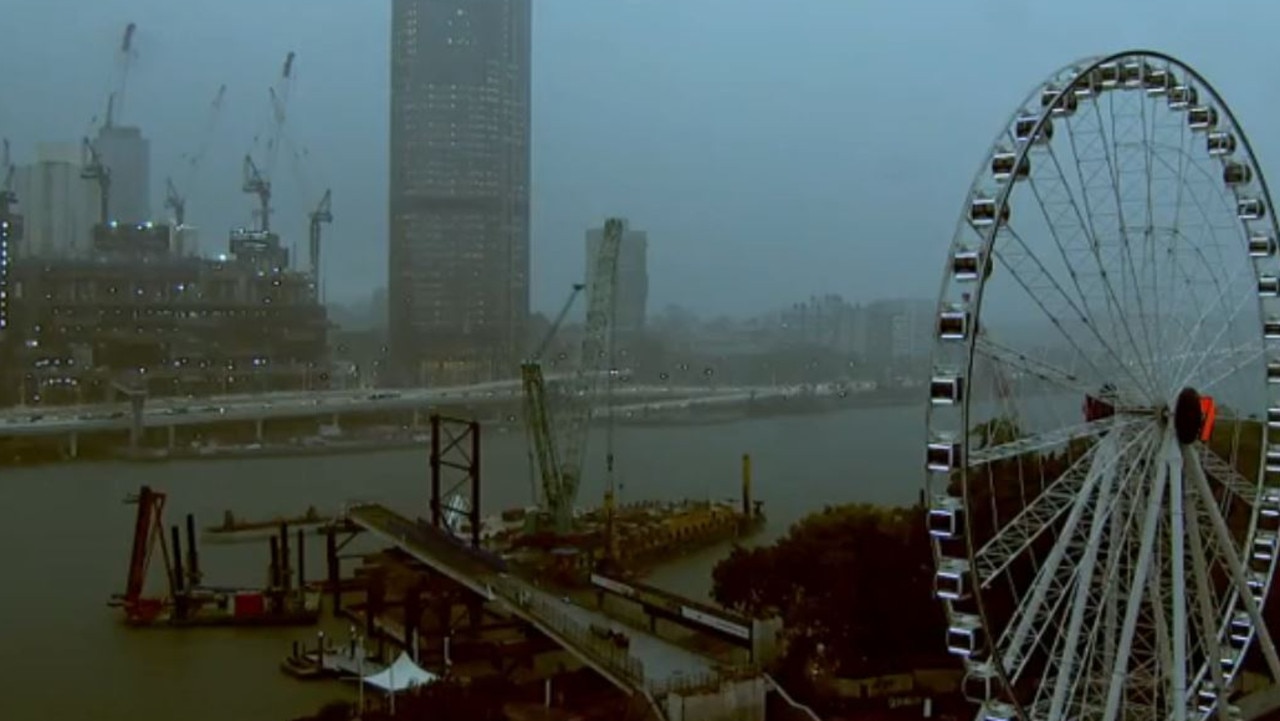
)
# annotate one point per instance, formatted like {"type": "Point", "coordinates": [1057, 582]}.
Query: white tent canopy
{"type": "Point", "coordinates": [401, 675]}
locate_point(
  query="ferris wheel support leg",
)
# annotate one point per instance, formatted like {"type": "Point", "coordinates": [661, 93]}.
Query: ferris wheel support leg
{"type": "Point", "coordinates": [1209, 626]}
{"type": "Point", "coordinates": [1104, 462]}
{"type": "Point", "coordinates": [1146, 550]}
{"type": "Point", "coordinates": [1177, 523]}
{"type": "Point", "coordinates": [1066, 672]}
{"type": "Point", "coordinates": [1233, 563]}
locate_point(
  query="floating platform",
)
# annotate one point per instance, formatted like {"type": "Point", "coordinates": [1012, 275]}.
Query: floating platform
{"type": "Point", "coordinates": [235, 530]}
{"type": "Point", "coordinates": [223, 607]}
{"type": "Point", "coordinates": [330, 663]}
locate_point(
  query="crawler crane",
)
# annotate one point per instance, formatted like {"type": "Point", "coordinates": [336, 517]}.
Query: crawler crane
{"type": "Point", "coordinates": [558, 436]}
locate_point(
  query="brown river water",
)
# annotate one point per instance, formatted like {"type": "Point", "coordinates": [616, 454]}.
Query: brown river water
{"type": "Point", "coordinates": [66, 532]}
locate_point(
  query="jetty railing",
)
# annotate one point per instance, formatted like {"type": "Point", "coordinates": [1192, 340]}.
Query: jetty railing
{"type": "Point", "coordinates": [613, 658]}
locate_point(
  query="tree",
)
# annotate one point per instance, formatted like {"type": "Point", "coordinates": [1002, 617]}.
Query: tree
{"type": "Point", "coordinates": [835, 579]}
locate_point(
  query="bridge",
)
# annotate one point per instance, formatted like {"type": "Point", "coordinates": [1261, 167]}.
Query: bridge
{"type": "Point", "coordinates": [174, 412]}
{"type": "Point", "coordinates": [650, 667]}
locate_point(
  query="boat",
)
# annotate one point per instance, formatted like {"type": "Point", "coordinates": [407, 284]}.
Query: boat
{"type": "Point", "coordinates": [234, 530]}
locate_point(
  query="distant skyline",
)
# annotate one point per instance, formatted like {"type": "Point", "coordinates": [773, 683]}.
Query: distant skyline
{"type": "Point", "coordinates": [772, 151]}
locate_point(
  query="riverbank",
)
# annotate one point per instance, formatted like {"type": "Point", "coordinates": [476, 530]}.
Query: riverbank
{"type": "Point", "coordinates": [231, 445]}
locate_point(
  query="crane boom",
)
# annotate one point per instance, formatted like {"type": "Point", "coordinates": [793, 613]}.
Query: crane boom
{"type": "Point", "coordinates": [559, 320]}
{"type": "Point", "coordinates": [560, 460]}
{"type": "Point", "coordinates": [115, 105]}
{"type": "Point", "coordinates": [537, 421]}
{"type": "Point", "coordinates": [175, 199]}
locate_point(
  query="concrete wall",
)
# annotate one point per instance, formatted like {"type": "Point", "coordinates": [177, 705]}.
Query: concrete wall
{"type": "Point", "coordinates": [733, 701]}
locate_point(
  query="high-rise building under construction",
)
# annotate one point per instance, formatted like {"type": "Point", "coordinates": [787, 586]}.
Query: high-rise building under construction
{"type": "Point", "coordinates": [458, 283]}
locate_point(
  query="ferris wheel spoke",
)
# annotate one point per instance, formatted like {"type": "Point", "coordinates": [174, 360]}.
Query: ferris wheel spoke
{"type": "Point", "coordinates": [1079, 604]}
{"type": "Point", "coordinates": [1083, 230]}
{"type": "Point", "coordinates": [1209, 613]}
{"type": "Point", "coordinates": [1103, 640]}
{"type": "Point", "coordinates": [1054, 584]}
{"type": "Point", "coordinates": [1062, 495]}
{"type": "Point", "coordinates": [1018, 535]}
{"type": "Point", "coordinates": [1037, 282]}
{"type": "Point", "coordinates": [1237, 360]}
{"type": "Point", "coordinates": [1206, 268]}
{"type": "Point", "coordinates": [989, 560]}
{"type": "Point", "coordinates": [1235, 566]}
{"type": "Point", "coordinates": [1177, 524]}
{"type": "Point", "coordinates": [1117, 173]}
{"type": "Point", "coordinates": [1211, 345]}
{"type": "Point", "coordinates": [1020, 362]}
{"type": "Point", "coordinates": [1115, 311]}
{"type": "Point", "coordinates": [1211, 464]}
{"type": "Point", "coordinates": [1040, 442]}
{"type": "Point", "coordinates": [1116, 679]}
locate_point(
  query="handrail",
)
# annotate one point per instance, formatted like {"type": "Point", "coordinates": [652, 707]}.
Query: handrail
{"type": "Point", "coordinates": [774, 685]}
{"type": "Point", "coordinates": [617, 661]}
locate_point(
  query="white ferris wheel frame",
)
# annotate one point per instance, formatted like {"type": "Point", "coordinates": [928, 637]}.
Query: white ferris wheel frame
{"type": "Point", "coordinates": [1182, 471]}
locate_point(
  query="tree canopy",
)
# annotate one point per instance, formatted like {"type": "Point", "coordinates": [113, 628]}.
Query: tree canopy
{"type": "Point", "coordinates": [856, 579]}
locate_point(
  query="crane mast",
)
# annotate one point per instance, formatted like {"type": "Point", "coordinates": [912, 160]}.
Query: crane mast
{"type": "Point", "coordinates": [560, 460]}
{"type": "Point", "coordinates": [323, 214]}
{"type": "Point", "coordinates": [93, 169]}
{"type": "Point", "coordinates": [256, 184]}
{"type": "Point", "coordinates": [256, 181]}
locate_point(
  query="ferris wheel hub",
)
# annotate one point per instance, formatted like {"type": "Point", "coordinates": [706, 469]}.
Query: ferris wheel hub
{"type": "Point", "coordinates": [1188, 416]}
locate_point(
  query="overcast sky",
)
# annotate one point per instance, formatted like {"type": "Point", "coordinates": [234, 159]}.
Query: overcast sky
{"type": "Point", "coordinates": [772, 148]}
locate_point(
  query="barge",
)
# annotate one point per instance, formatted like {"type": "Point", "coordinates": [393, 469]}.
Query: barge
{"type": "Point", "coordinates": [188, 602]}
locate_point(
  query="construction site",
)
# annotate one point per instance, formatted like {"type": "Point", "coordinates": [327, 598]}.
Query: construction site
{"type": "Point", "coordinates": [102, 300]}
{"type": "Point", "coordinates": [452, 591]}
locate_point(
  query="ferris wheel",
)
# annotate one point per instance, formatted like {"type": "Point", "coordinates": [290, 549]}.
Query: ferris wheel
{"type": "Point", "coordinates": [1105, 385]}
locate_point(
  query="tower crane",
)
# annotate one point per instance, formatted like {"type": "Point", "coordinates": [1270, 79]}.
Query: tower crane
{"type": "Point", "coordinates": [559, 439]}
{"type": "Point", "coordinates": [115, 103]}
{"type": "Point", "coordinates": [93, 169]}
{"type": "Point", "coordinates": [175, 201]}
{"type": "Point", "coordinates": [322, 214]}
{"type": "Point", "coordinates": [257, 182]}
{"type": "Point", "coordinates": [174, 198]}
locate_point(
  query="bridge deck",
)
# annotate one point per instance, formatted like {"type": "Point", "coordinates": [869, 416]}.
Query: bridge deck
{"type": "Point", "coordinates": [171, 412]}
{"type": "Point", "coordinates": [650, 661]}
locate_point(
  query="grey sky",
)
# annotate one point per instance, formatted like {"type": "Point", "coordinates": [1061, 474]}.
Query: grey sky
{"type": "Point", "coordinates": [772, 148]}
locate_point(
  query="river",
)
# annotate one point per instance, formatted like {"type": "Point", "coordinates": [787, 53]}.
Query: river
{"type": "Point", "coordinates": [66, 535]}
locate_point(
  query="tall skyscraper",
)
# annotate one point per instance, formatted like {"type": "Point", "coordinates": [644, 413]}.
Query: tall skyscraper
{"type": "Point", "coordinates": [458, 281]}
{"type": "Point", "coordinates": [128, 156]}
{"type": "Point", "coordinates": [632, 293]}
